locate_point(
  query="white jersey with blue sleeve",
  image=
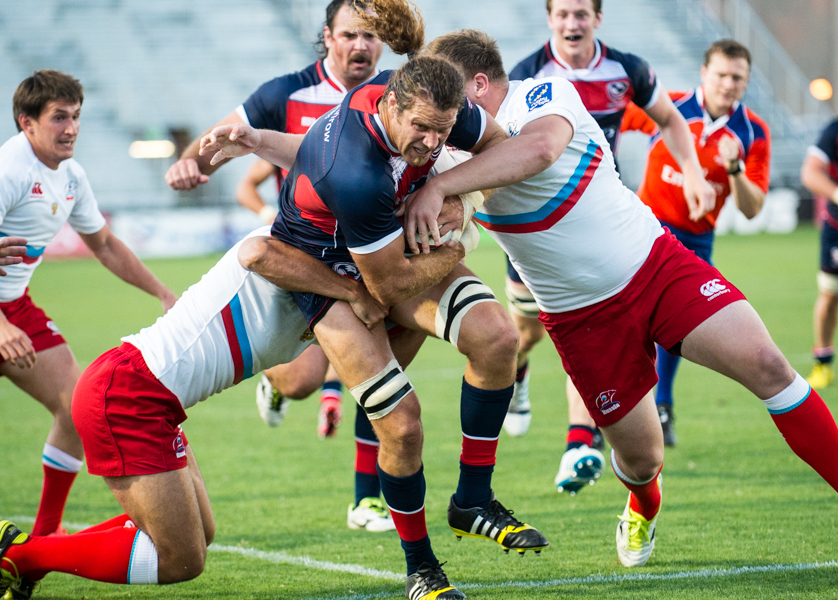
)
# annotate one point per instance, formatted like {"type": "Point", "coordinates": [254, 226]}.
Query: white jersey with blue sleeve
{"type": "Point", "coordinates": [227, 327]}
{"type": "Point", "coordinates": [574, 232]}
{"type": "Point", "coordinates": [35, 202]}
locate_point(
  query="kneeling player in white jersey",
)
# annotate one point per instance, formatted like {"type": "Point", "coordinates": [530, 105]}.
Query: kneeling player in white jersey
{"type": "Point", "coordinates": [41, 189]}
{"type": "Point", "coordinates": [610, 281]}
{"type": "Point", "coordinates": [129, 404]}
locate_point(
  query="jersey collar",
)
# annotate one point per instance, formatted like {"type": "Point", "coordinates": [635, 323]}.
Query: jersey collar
{"type": "Point", "coordinates": [711, 126]}
{"type": "Point", "coordinates": [335, 83]}
{"type": "Point", "coordinates": [382, 132]}
{"type": "Point", "coordinates": [566, 66]}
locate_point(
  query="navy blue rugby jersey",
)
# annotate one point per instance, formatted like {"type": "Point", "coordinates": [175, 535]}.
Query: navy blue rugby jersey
{"type": "Point", "coordinates": [348, 179]}
{"type": "Point", "coordinates": [827, 151]}
{"type": "Point", "coordinates": [606, 86]}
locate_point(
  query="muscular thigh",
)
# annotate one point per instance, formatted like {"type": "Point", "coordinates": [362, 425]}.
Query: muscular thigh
{"type": "Point", "coordinates": [50, 380]}
{"type": "Point", "coordinates": [356, 353]}
{"type": "Point", "coordinates": [422, 312]}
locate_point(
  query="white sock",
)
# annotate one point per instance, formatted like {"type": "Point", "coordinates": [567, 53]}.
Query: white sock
{"type": "Point", "coordinates": [143, 568]}
{"type": "Point", "coordinates": [620, 475]}
{"type": "Point", "coordinates": [790, 398]}
{"type": "Point", "coordinates": [58, 459]}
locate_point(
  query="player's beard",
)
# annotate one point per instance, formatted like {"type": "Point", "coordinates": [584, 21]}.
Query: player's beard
{"type": "Point", "coordinates": [359, 60]}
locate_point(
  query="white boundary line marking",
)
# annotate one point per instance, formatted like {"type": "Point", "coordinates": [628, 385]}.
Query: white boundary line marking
{"type": "Point", "coordinates": [322, 565]}
{"type": "Point", "coordinates": [304, 561]}
{"type": "Point", "coordinates": [615, 578]}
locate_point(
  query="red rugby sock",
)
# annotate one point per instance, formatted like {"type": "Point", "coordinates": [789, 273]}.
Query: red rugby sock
{"type": "Point", "coordinates": [645, 498]}
{"type": "Point", "coordinates": [57, 484]}
{"type": "Point", "coordinates": [101, 556]}
{"type": "Point", "coordinates": [810, 431]}
{"type": "Point", "coordinates": [118, 521]}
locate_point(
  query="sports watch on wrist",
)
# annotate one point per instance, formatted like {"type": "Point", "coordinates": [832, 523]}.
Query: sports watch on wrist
{"type": "Point", "coordinates": [737, 168]}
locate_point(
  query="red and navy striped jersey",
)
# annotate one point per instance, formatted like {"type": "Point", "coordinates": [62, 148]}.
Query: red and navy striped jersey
{"type": "Point", "coordinates": [292, 103]}
{"type": "Point", "coordinates": [348, 179]}
{"type": "Point", "coordinates": [606, 86]}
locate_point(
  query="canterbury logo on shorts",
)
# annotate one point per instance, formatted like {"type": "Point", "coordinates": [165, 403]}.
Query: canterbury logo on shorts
{"type": "Point", "coordinates": [713, 289]}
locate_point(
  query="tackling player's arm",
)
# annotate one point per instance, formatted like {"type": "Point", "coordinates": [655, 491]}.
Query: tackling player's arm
{"type": "Point", "coordinates": [119, 260]}
{"type": "Point", "coordinates": [538, 145]}
{"type": "Point", "coordinates": [295, 271]}
{"type": "Point", "coordinates": [247, 191]}
{"type": "Point", "coordinates": [392, 278]}
{"type": "Point", "coordinates": [422, 209]}
{"type": "Point", "coordinates": [193, 169]}
{"type": "Point", "coordinates": [699, 195]}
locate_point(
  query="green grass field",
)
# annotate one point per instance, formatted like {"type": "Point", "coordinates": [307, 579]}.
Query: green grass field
{"type": "Point", "coordinates": [742, 516]}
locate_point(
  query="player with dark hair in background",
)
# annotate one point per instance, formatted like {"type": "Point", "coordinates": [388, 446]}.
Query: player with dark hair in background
{"type": "Point", "coordinates": [41, 189]}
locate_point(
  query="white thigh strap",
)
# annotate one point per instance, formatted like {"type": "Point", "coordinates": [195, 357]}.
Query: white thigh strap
{"type": "Point", "coordinates": [827, 283]}
{"type": "Point", "coordinates": [460, 297]}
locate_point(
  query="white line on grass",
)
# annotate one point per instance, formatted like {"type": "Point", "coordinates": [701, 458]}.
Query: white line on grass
{"type": "Point", "coordinates": [322, 565]}
{"type": "Point", "coordinates": [304, 561]}
{"type": "Point", "coordinates": [702, 574]}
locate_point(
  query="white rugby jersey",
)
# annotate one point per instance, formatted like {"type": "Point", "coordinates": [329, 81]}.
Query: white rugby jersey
{"type": "Point", "coordinates": [227, 327]}
{"type": "Point", "coordinates": [35, 202]}
{"type": "Point", "coordinates": [574, 232]}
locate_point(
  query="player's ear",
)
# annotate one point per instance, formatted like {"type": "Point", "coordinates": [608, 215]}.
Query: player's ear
{"type": "Point", "coordinates": [481, 84]}
{"type": "Point", "coordinates": [327, 37]}
{"type": "Point", "coordinates": [24, 121]}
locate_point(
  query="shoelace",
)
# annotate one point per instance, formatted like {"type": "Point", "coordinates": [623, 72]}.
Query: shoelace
{"type": "Point", "coordinates": [434, 577]}
{"type": "Point", "coordinates": [638, 531]}
{"type": "Point", "coordinates": [501, 516]}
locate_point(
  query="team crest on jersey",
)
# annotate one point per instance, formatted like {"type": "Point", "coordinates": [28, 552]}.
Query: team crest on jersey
{"type": "Point", "coordinates": [605, 402]}
{"type": "Point", "coordinates": [36, 189]}
{"type": "Point", "coordinates": [347, 269]}
{"type": "Point", "coordinates": [616, 90]}
{"type": "Point", "coordinates": [71, 190]}
{"type": "Point", "coordinates": [540, 95]}
{"type": "Point", "coordinates": [307, 336]}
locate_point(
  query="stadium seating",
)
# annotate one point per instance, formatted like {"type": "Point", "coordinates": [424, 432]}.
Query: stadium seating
{"type": "Point", "coordinates": [160, 65]}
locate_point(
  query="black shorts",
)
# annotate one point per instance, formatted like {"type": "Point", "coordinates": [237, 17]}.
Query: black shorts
{"type": "Point", "coordinates": [315, 306]}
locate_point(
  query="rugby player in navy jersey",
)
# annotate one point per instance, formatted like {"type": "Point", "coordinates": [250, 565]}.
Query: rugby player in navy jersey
{"type": "Point", "coordinates": [819, 175]}
{"type": "Point", "coordinates": [606, 80]}
{"type": "Point", "coordinates": [347, 56]}
{"type": "Point", "coordinates": [353, 170]}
